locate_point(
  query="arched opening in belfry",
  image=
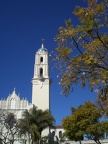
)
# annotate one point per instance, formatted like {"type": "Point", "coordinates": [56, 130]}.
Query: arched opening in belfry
{"type": "Point", "coordinates": [41, 59]}
{"type": "Point", "coordinates": [41, 72]}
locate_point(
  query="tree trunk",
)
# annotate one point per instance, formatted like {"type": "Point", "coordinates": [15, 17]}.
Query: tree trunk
{"type": "Point", "coordinates": [97, 141]}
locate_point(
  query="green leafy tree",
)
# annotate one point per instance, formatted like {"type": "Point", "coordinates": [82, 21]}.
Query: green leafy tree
{"type": "Point", "coordinates": [82, 52]}
{"type": "Point", "coordinates": [85, 120]}
{"type": "Point", "coordinates": [34, 122]}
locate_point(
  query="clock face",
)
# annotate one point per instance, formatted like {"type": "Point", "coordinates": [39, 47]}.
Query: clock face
{"type": "Point", "coordinates": [42, 79]}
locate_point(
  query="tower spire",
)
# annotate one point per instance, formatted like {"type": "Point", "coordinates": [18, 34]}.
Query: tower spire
{"type": "Point", "coordinates": [14, 90]}
{"type": "Point", "coordinates": [43, 43]}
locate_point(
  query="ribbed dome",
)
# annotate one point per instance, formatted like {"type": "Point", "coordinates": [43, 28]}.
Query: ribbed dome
{"type": "Point", "coordinates": [42, 49]}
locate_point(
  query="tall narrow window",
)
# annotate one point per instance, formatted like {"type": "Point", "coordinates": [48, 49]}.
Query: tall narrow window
{"type": "Point", "coordinates": [12, 103]}
{"type": "Point", "coordinates": [41, 59]}
{"type": "Point", "coordinates": [60, 134]}
{"type": "Point", "coordinates": [41, 71]}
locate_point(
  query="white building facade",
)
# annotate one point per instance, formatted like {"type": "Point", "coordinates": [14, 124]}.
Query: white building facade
{"type": "Point", "coordinates": [13, 103]}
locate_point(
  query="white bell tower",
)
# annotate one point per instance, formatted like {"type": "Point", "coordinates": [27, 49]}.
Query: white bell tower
{"type": "Point", "coordinates": [40, 81]}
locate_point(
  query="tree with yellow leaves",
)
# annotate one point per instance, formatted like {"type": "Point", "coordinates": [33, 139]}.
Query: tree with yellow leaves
{"type": "Point", "coordinates": [82, 52]}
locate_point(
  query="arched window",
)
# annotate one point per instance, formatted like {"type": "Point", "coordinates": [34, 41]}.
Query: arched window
{"type": "Point", "coordinates": [12, 103]}
{"type": "Point", "coordinates": [60, 134]}
{"type": "Point", "coordinates": [41, 71]}
{"type": "Point", "coordinates": [41, 59]}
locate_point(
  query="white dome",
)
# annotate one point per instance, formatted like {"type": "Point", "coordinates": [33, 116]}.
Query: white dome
{"type": "Point", "coordinates": [42, 49]}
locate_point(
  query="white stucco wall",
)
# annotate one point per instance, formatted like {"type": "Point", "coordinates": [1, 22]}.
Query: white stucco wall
{"type": "Point", "coordinates": [57, 130]}
{"type": "Point", "coordinates": [40, 94]}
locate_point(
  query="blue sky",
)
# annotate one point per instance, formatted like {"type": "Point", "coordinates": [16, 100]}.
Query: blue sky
{"type": "Point", "coordinates": [23, 23]}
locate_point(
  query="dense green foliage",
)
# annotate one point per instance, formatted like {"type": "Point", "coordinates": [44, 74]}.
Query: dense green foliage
{"type": "Point", "coordinates": [34, 122]}
{"type": "Point", "coordinates": [85, 120]}
{"type": "Point", "coordinates": [82, 52]}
